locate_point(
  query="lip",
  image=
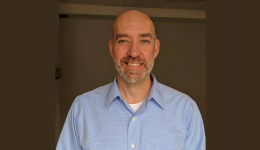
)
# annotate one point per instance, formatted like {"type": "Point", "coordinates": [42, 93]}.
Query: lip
{"type": "Point", "coordinates": [134, 67]}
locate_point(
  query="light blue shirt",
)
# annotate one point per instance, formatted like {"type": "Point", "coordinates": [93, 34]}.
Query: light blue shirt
{"type": "Point", "coordinates": [101, 120]}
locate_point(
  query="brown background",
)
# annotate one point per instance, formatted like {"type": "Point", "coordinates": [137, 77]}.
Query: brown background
{"type": "Point", "coordinates": [232, 75]}
{"type": "Point", "coordinates": [29, 39]}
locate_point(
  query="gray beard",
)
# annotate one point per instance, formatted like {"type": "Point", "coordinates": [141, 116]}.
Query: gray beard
{"type": "Point", "coordinates": [127, 77]}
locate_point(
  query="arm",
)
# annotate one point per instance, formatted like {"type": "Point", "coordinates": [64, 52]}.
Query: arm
{"type": "Point", "coordinates": [195, 139]}
{"type": "Point", "coordinates": [69, 139]}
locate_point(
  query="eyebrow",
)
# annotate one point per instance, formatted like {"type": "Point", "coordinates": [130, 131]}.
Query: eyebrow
{"type": "Point", "coordinates": [121, 35]}
{"type": "Point", "coordinates": [146, 35]}
{"type": "Point", "coordinates": [126, 35]}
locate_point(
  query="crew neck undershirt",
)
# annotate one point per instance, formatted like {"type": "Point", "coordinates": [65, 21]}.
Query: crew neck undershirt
{"type": "Point", "coordinates": [136, 105]}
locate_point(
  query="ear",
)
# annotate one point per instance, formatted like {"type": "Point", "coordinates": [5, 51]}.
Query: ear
{"type": "Point", "coordinates": [157, 48]}
{"type": "Point", "coordinates": [110, 44]}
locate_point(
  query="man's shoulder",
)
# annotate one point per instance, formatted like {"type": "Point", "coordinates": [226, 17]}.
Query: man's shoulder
{"type": "Point", "coordinates": [171, 94]}
{"type": "Point", "coordinates": [169, 90]}
{"type": "Point", "coordinates": [95, 94]}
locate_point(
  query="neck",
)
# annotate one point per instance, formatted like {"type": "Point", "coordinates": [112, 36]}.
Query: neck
{"type": "Point", "coordinates": [134, 92]}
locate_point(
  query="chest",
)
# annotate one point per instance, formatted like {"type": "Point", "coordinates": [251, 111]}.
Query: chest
{"type": "Point", "coordinates": [119, 129]}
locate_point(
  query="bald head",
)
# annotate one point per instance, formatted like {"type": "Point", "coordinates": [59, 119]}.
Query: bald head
{"type": "Point", "coordinates": [133, 46]}
{"type": "Point", "coordinates": [132, 18]}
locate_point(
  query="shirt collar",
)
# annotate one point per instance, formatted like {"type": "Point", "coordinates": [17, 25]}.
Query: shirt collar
{"type": "Point", "coordinates": [155, 93]}
{"type": "Point", "coordinates": [113, 93]}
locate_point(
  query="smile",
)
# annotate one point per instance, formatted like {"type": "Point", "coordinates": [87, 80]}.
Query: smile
{"type": "Point", "coordinates": [133, 64]}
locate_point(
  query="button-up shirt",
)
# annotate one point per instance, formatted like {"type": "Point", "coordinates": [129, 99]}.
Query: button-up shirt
{"type": "Point", "coordinates": [102, 120]}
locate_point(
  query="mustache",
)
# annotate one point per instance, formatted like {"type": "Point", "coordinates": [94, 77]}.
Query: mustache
{"type": "Point", "coordinates": [132, 59]}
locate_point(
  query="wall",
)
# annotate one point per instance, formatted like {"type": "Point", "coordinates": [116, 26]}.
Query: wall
{"type": "Point", "coordinates": [29, 39]}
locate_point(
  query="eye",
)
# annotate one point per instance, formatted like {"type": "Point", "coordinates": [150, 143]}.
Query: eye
{"type": "Point", "coordinates": [145, 41]}
{"type": "Point", "coordinates": [122, 41]}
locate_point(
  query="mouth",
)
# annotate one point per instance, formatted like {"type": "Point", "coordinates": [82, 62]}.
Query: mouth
{"type": "Point", "coordinates": [133, 64]}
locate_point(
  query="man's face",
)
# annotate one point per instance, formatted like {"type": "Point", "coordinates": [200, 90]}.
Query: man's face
{"type": "Point", "coordinates": [134, 48]}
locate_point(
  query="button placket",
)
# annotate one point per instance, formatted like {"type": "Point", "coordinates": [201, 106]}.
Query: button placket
{"type": "Point", "coordinates": [131, 133]}
{"type": "Point", "coordinates": [133, 118]}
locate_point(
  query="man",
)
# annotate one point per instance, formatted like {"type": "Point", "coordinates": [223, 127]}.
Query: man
{"type": "Point", "coordinates": [134, 111]}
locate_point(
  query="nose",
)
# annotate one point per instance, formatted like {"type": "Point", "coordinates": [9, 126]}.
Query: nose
{"type": "Point", "coordinates": [134, 50]}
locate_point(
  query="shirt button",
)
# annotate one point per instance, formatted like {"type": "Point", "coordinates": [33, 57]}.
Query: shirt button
{"type": "Point", "coordinates": [133, 146]}
{"type": "Point", "coordinates": [133, 119]}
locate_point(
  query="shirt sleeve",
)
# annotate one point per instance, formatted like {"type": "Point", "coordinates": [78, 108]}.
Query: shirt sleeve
{"type": "Point", "coordinates": [69, 139]}
{"type": "Point", "coordinates": [195, 139]}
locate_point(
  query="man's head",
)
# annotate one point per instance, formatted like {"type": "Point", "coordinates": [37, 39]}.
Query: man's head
{"type": "Point", "coordinates": [133, 46]}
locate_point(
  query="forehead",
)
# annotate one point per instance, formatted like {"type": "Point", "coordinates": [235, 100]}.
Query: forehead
{"type": "Point", "coordinates": [133, 26]}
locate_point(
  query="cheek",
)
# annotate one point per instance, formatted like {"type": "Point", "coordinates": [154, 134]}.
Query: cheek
{"type": "Point", "coordinates": [119, 53]}
{"type": "Point", "coordinates": [149, 56]}
{"type": "Point", "coordinates": [117, 58]}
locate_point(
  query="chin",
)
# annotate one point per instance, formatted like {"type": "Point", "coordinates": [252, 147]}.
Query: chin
{"type": "Point", "coordinates": [134, 78]}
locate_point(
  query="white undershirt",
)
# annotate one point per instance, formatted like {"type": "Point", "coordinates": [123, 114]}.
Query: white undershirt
{"type": "Point", "coordinates": [136, 105]}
